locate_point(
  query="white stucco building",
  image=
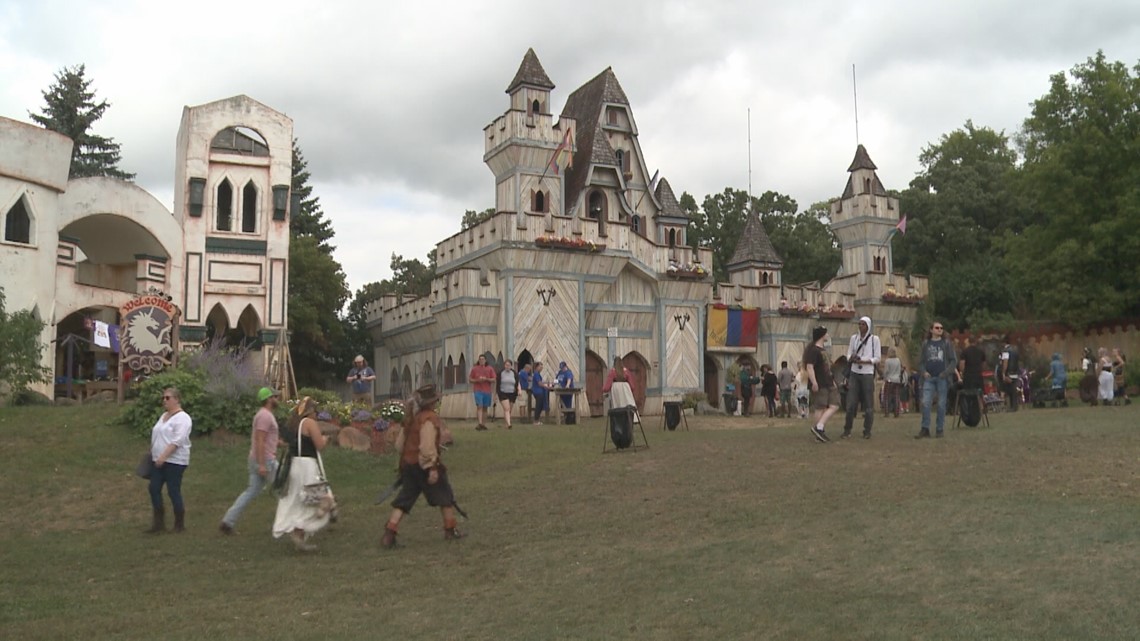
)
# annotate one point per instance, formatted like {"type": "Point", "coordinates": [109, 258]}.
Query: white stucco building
{"type": "Point", "coordinates": [74, 251]}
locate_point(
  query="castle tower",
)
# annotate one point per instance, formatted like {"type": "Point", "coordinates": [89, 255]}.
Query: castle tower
{"type": "Point", "coordinates": [520, 144]}
{"type": "Point", "coordinates": [754, 261]}
{"type": "Point", "coordinates": [863, 219]}
{"type": "Point", "coordinates": [233, 174]}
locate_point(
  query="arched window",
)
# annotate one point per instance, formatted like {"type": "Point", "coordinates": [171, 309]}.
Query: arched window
{"type": "Point", "coordinates": [225, 205]}
{"type": "Point", "coordinates": [764, 278]}
{"type": "Point", "coordinates": [539, 201]}
{"type": "Point", "coordinates": [461, 371]}
{"type": "Point", "coordinates": [536, 107]}
{"type": "Point", "coordinates": [597, 207]}
{"type": "Point", "coordinates": [620, 155]}
{"type": "Point", "coordinates": [672, 237]}
{"type": "Point", "coordinates": [18, 224]}
{"type": "Point", "coordinates": [449, 374]}
{"type": "Point", "coordinates": [635, 224]}
{"type": "Point", "coordinates": [866, 185]}
{"type": "Point", "coordinates": [249, 208]}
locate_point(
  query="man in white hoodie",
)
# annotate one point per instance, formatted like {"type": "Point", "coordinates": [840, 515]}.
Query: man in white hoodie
{"type": "Point", "coordinates": [864, 351]}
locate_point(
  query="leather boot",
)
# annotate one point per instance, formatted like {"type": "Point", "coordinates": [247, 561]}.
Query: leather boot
{"type": "Point", "coordinates": [180, 520]}
{"type": "Point", "coordinates": [158, 525]}
{"type": "Point", "coordinates": [389, 538]}
{"type": "Point", "coordinates": [450, 532]}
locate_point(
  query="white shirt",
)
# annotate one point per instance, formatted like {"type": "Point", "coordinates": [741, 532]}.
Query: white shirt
{"type": "Point", "coordinates": [872, 351]}
{"type": "Point", "coordinates": [174, 431]}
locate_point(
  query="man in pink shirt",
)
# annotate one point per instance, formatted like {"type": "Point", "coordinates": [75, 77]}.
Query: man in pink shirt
{"type": "Point", "coordinates": [482, 378]}
{"type": "Point", "coordinates": [262, 457]}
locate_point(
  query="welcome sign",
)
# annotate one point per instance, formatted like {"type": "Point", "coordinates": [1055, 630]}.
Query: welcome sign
{"type": "Point", "coordinates": [146, 332]}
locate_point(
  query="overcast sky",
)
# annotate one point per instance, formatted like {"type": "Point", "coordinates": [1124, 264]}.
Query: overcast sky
{"type": "Point", "coordinates": [389, 99]}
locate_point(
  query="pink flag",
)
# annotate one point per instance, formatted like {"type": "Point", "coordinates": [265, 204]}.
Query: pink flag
{"type": "Point", "coordinates": [902, 224]}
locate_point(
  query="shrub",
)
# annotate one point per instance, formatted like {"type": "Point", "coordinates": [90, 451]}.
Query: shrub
{"type": "Point", "coordinates": [218, 387]}
{"type": "Point", "coordinates": [324, 398]}
{"type": "Point", "coordinates": [690, 400]}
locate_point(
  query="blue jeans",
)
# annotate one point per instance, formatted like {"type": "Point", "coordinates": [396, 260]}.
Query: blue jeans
{"type": "Point", "coordinates": [929, 386]}
{"type": "Point", "coordinates": [256, 485]}
{"type": "Point", "coordinates": [170, 474]}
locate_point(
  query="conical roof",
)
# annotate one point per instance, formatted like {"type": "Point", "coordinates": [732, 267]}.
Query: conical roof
{"type": "Point", "coordinates": [531, 73]}
{"type": "Point", "coordinates": [754, 245]}
{"type": "Point", "coordinates": [584, 106]}
{"type": "Point", "coordinates": [862, 160]}
{"type": "Point", "coordinates": [669, 204]}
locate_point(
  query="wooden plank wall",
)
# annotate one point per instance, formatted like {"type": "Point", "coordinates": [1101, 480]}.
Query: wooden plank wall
{"type": "Point", "coordinates": [551, 331]}
{"type": "Point", "coordinates": [683, 360]}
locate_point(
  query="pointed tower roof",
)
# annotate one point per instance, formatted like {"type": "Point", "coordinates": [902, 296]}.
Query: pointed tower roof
{"type": "Point", "coordinates": [531, 73]}
{"type": "Point", "coordinates": [754, 246]}
{"type": "Point", "coordinates": [669, 205]}
{"type": "Point", "coordinates": [592, 146]}
{"type": "Point", "coordinates": [862, 160]}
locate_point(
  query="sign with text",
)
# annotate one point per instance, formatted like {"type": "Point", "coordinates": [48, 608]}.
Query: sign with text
{"type": "Point", "coordinates": [146, 334]}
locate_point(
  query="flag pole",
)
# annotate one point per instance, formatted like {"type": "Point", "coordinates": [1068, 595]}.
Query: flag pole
{"type": "Point", "coordinates": [855, 95]}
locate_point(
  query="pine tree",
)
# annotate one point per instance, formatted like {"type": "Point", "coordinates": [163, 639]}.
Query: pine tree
{"type": "Point", "coordinates": [310, 220]}
{"type": "Point", "coordinates": [71, 110]}
{"type": "Point", "coordinates": [317, 287]}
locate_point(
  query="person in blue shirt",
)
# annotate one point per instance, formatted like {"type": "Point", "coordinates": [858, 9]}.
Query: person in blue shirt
{"type": "Point", "coordinates": [361, 377]}
{"type": "Point", "coordinates": [565, 378]}
{"type": "Point", "coordinates": [540, 390]}
{"type": "Point", "coordinates": [525, 377]}
{"type": "Point", "coordinates": [1059, 376]}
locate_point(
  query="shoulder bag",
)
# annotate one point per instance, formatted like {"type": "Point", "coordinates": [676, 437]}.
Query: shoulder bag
{"type": "Point", "coordinates": [313, 494]}
{"type": "Point", "coordinates": [281, 477]}
{"type": "Point", "coordinates": [145, 467]}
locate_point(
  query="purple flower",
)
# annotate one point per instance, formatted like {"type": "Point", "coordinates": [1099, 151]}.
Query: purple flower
{"type": "Point", "coordinates": [380, 425]}
{"type": "Point", "coordinates": [361, 416]}
{"type": "Point", "coordinates": [323, 415]}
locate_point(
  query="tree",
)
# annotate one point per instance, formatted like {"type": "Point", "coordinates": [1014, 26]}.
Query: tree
{"type": "Point", "coordinates": [20, 349]}
{"type": "Point", "coordinates": [718, 224]}
{"type": "Point", "coordinates": [805, 241]}
{"type": "Point", "coordinates": [318, 288]}
{"type": "Point", "coordinates": [1081, 262]}
{"type": "Point", "coordinates": [310, 220]}
{"type": "Point", "coordinates": [71, 110]}
{"type": "Point", "coordinates": [472, 217]}
{"type": "Point", "coordinates": [958, 206]}
{"type": "Point", "coordinates": [317, 291]}
{"type": "Point", "coordinates": [357, 338]}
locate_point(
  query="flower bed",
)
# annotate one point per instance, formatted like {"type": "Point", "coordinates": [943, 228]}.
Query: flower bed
{"type": "Point", "coordinates": [895, 298]}
{"type": "Point", "coordinates": [573, 244]}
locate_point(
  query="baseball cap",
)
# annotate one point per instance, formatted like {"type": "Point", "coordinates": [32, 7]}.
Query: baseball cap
{"type": "Point", "coordinates": [266, 393]}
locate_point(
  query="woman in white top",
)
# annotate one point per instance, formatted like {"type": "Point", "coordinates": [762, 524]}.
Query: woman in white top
{"type": "Point", "coordinates": [296, 516]}
{"type": "Point", "coordinates": [1105, 378]}
{"type": "Point", "coordinates": [170, 453]}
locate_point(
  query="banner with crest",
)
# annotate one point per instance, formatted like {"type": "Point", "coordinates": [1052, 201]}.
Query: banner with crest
{"type": "Point", "coordinates": [146, 334]}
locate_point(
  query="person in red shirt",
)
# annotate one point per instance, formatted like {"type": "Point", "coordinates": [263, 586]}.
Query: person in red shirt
{"type": "Point", "coordinates": [482, 379]}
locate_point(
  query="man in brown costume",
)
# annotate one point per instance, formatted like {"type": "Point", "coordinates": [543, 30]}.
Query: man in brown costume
{"type": "Point", "coordinates": [421, 470]}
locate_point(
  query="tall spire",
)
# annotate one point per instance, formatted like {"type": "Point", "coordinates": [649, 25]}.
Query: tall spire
{"type": "Point", "coordinates": [531, 73]}
{"type": "Point", "coordinates": [862, 160]}
{"type": "Point", "coordinates": [754, 247]}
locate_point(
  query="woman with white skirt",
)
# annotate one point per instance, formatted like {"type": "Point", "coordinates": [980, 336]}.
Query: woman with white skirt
{"type": "Point", "coordinates": [619, 386]}
{"type": "Point", "coordinates": [1105, 378]}
{"type": "Point", "coordinates": [297, 515]}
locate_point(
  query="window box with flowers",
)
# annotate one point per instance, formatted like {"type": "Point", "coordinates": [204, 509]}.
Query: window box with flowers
{"type": "Point", "coordinates": [797, 311]}
{"type": "Point", "coordinates": [895, 298]}
{"type": "Point", "coordinates": [837, 314]}
{"type": "Point", "coordinates": [563, 242]}
{"type": "Point", "coordinates": [695, 271]}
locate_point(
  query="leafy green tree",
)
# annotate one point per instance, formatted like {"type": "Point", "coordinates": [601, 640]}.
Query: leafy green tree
{"type": "Point", "coordinates": [472, 217]}
{"type": "Point", "coordinates": [71, 110]}
{"type": "Point", "coordinates": [20, 349]}
{"type": "Point", "coordinates": [718, 224]}
{"type": "Point", "coordinates": [1081, 262]}
{"type": "Point", "coordinates": [961, 202]}
{"type": "Point", "coordinates": [805, 241]}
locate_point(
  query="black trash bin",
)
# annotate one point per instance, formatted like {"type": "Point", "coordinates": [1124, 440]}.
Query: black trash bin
{"type": "Point", "coordinates": [729, 403]}
{"type": "Point", "coordinates": [621, 427]}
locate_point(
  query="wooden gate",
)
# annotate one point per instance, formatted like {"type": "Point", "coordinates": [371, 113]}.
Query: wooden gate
{"type": "Point", "coordinates": [639, 371]}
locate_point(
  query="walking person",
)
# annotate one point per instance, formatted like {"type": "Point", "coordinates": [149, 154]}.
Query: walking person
{"type": "Point", "coordinates": [1011, 374]}
{"type": "Point", "coordinates": [170, 456]}
{"type": "Point", "coordinates": [1107, 388]}
{"type": "Point", "coordinates": [525, 375]}
{"type": "Point", "coordinates": [785, 379]}
{"type": "Point", "coordinates": [262, 462]}
{"type": "Point", "coordinates": [1118, 380]}
{"type": "Point", "coordinates": [421, 469]}
{"type": "Point", "coordinates": [892, 374]}
{"type": "Point", "coordinates": [361, 377]}
{"type": "Point", "coordinates": [507, 388]}
{"type": "Point", "coordinates": [937, 363]}
{"type": "Point", "coordinates": [747, 381]}
{"type": "Point", "coordinates": [482, 378]}
{"type": "Point", "coordinates": [768, 386]}
{"type": "Point", "coordinates": [541, 391]}
{"type": "Point", "coordinates": [298, 517]}
{"type": "Point", "coordinates": [824, 395]}
{"type": "Point", "coordinates": [864, 351]}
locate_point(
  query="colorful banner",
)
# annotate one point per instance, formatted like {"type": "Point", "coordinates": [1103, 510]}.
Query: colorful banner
{"type": "Point", "coordinates": [732, 327]}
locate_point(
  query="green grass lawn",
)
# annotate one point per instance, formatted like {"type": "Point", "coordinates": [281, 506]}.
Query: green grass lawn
{"type": "Point", "coordinates": [1027, 530]}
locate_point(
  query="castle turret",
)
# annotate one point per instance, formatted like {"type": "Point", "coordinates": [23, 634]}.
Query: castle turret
{"type": "Point", "coordinates": [863, 219]}
{"type": "Point", "coordinates": [755, 261]}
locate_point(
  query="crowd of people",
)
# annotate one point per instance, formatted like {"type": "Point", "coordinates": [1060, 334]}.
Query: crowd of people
{"type": "Point", "coordinates": [288, 458]}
